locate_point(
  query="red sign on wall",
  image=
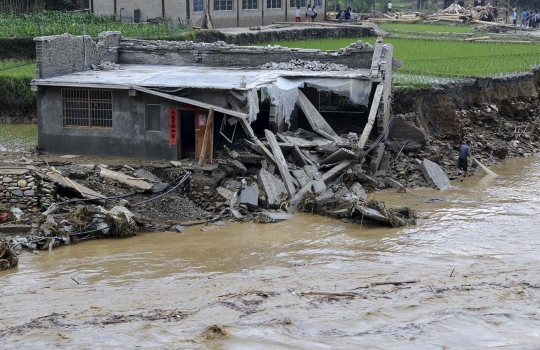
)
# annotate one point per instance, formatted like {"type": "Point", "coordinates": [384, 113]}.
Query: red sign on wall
{"type": "Point", "coordinates": [172, 127]}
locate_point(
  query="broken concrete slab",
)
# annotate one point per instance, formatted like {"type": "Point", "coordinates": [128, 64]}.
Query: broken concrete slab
{"type": "Point", "coordinates": [280, 162]}
{"type": "Point", "coordinates": [325, 197]}
{"type": "Point", "coordinates": [75, 186]}
{"type": "Point", "coordinates": [337, 156]}
{"type": "Point", "coordinates": [316, 120]}
{"type": "Point", "coordinates": [15, 229]}
{"type": "Point", "coordinates": [275, 217]}
{"type": "Point", "coordinates": [301, 176]}
{"type": "Point", "coordinates": [319, 186]}
{"type": "Point", "coordinates": [143, 174]}
{"type": "Point", "coordinates": [273, 187]}
{"type": "Point", "coordinates": [313, 172]}
{"type": "Point", "coordinates": [159, 187]}
{"type": "Point", "coordinates": [125, 179]}
{"type": "Point", "coordinates": [434, 175]}
{"type": "Point", "coordinates": [223, 194]}
{"type": "Point", "coordinates": [372, 214]}
{"type": "Point", "coordinates": [335, 171]}
{"type": "Point", "coordinates": [249, 195]}
{"type": "Point", "coordinates": [295, 200]}
{"type": "Point", "coordinates": [358, 190]}
{"type": "Point", "coordinates": [13, 170]}
{"type": "Point", "coordinates": [392, 183]}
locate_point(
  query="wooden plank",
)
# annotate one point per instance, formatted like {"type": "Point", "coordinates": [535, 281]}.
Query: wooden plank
{"type": "Point", "coordinates": [316, 120]}
{"type": "Point", "coordinates": [247, 128]}
{"type": "Point", "coordinates": [208, 136]}
{"type": "Point", "coordinates": [13, 171]}
{"type": "Point", "coordinates": [57, 178]}
{"type": "Point", "coordinates": [191, 102]}
{"type": "Point", "coordinates": [335, 171]}
{"type": "Point", "coordinates": [281, 163]}
{"type": "Point", "coordinates": [371, 119]}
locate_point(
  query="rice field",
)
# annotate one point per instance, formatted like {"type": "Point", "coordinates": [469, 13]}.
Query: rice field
{"type": "Point", "coordinates": [445, 59]}
{"type": "Point", "coordinates": [424, 28]}
{"type": "Point", "coordinates": [53, 23]}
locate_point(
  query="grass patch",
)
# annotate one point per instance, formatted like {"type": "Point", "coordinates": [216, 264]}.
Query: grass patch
{"type": "Point", "coordinates": [18, 136]}
{"type": "Point", "coordinates": [17, 68]}
{"type": "Point", "coordinates": [424, 28]}
{"type": "Point", "coordinates": [54, 22]}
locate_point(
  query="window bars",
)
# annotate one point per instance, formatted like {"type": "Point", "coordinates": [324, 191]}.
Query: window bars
{"type": "Point", "coordinates": [87, 108]}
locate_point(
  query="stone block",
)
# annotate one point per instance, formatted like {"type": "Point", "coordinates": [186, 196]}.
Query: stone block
{"type": "Point", "coordinates": [273, 187]}
{"type": "Point", "coordinates": [434, 175]}
{"type": "Point", "coordinates": [249, 195]}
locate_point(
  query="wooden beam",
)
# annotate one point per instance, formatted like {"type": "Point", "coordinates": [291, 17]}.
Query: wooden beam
{"type": "Point", "coordinates": [281, 163]}
{"type": "Point", "coordinates": [207, 137]}
{"type": "Point", "coordinates": [191, 102]}
{"type": "Point", "coordinates": [371, 119]}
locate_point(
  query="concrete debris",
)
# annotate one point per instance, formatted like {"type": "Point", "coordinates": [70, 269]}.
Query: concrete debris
{"type": "Point", "coordinates": [435, 176]}
{"type": "Point", "coordinates": [143, 174]}
{"type": "Point", "coordinates": [249, 195]}
{"type": "Point", "coordinates": [273, 187]}
{"type": "Point", "coordinates": [275, 217]}
{"type": "Point", "coordinates": [107, 66]}
{"type": "Point", "coordinates": [298, 64]}
{"type": "Point", "coordinates": [359, 191]}
{"type": "Point", "coordinates": [125, 179]}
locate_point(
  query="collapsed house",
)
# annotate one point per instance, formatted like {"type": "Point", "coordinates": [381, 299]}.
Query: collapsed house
{"type": "Point", "coordinates": [309, 115]}
{"type": "Point", "coordinates": [152, 99]}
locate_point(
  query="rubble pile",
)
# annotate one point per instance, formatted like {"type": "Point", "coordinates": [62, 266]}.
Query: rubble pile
{"type": "Point", "coordinates": [477, 14]}
{"type": "Point", "coordinates": [298, 64]}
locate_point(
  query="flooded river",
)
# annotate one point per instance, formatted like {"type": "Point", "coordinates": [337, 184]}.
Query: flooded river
{"type": "Point", "coordinates": [474, 257]}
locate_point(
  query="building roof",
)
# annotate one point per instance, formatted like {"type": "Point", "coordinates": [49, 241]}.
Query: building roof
{"type": "Point", "coordinates": [199, 77]}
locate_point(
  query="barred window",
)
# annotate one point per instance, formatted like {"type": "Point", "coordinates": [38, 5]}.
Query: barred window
{"type": "Point", "coordinates": [273, 4]}
{"type": "Point", "coordinates": [153, 114]}
{"type": "Point", "coordinates": [198, 5]}
{"type": "Point", "coordinates": [87, 108]}
{"type": "Point", "coordinates": [298, 3]}
{"type": "Point", "coordinates": [317, 3]}
{"type": "Point", "coordinates": [223, 5]}
{"type": "Point", "coordinates": [250, 4]}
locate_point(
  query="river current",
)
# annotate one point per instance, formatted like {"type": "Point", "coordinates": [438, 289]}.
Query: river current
{"type": "Point", "coordinates": [473, 260]}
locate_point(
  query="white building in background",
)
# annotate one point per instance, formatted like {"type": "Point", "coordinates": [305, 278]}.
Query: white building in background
{"type": "Point", "coordinates": [223, 13]}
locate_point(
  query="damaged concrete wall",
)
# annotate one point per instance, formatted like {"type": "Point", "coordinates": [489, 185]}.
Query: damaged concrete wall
{"type": "Point", "coordinates": [128, 137]}
{"type": "Point", "coordinates": [65, 54]}
{"type": "Point", "coordinates": [219, 54]}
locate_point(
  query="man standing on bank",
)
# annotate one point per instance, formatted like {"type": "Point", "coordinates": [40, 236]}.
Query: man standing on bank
{"type": "Point", "coordinates": [464, 152]}
{"type": "Point", "coordinates": [297, 18]}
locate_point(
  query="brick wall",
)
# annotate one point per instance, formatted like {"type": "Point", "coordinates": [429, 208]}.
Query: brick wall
{"type": "Point", "coordinates": [65, 54]}
{"type": "Point", "coordinates": [218, 54]}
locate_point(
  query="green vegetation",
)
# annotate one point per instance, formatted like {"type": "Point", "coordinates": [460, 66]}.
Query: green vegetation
{"type": "Point", "coordinates": [18, 136]}
{"type": "Point", "coordinates": [424, 28]}
{"type": "Point", "coordinates": [53, 23]}
{"type": "Point", "coordinates": [16, 98]}
{"type": "Point", "coordinates": [428, 61]}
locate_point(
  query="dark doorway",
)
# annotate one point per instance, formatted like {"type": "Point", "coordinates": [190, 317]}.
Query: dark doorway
{"type": "Point", "coordinates": [187, 134]}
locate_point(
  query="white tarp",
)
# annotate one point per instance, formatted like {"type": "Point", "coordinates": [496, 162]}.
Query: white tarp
{"type": "Point", "coordinates": [284, 92]}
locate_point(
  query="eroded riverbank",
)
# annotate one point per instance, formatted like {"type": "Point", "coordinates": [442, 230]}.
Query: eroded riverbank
{"type": "Point", "coordinates": [475, 256]}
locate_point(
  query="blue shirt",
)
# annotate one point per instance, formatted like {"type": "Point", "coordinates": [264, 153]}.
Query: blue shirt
{"type": "Point", "coordinates": [464, 151]}
{"type": "Point", "coordinates": [524, 15]}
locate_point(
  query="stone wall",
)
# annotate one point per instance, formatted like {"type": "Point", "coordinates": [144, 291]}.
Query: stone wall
{"type": "Point", "coordinates": [220, 54]}
{"type": "Point", "coordinates": [65, 54]}
{"type": "Point", "coordinates": [25, 191]}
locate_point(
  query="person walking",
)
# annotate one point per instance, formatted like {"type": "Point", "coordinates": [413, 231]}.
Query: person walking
{"type": "Point", "coordinates": [297, 18]}
{"type": "Point", "coordinates": [308, 12]}
{"type": "Point", "coordinates": [313, 13]}
{"type": "Point", "coordinates": [389, 7]}
{"type": "Point", "coordinates": [524, 15]}
{"type": "Point", "coordinates": [464, 152]}
{"type": "Point", "coordinates": [514, 16]}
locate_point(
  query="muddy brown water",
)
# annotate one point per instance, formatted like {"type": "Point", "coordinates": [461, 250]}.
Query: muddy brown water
{"type": "Point", "coordinates": [475, 256]}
